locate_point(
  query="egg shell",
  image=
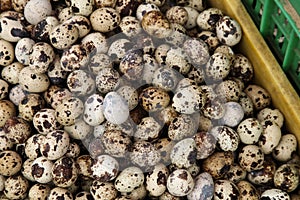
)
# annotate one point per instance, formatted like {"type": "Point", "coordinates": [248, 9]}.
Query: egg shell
{"type": "Point", "coordinates": [95, 43]}
{"type": "Point", "coordinates": [165, 78]}
{"type": "Point", "coordinates": [192, 17]}
{"type": "Point", "coordinates": [228, 31]}
{"type": "Point", "coordinates": [177, 59]}
{"type": "Point", "coordinates": [205, 144]}
{"type": "Point", "coordinates": [144, 154]}
{"type": "Point", "coordinates": [284, 150]}
{"type": "Point", "coordinates": [11, 72]}
{"type": "Point", "coordinates": [105, 168]}
{"type": "Point", "coordinates": [7, 52]}
{"type": "Point", "coordinates": [43, 28]}
{"type": "Point", "coordinates": [64, 172]}
{"type": "Point", "coordinates": [129, 179]}
{"type": "Point", "coordinates": [234, 114]}
{"type": "Point", "coordinates": [286, 177]}
{"type": "Point", "coordinates": [30, 105]}
{"type": "Point", "coordinates": [242, 68]}
{"type": "Point", "coordinates": [12, 28]}
{"type": "Point", "coordinates": [236, 173]}
{"type": "Point", "coordinates": [105, 19]}
{"type": "Point", "coordinates": [208, 18]}
{"type": "Point", "coordinates": [84, 163]}
{"type": "Point", "coordinates": [79, 130]}
{"type": "Point", "coordinates": [251, 157]}
{"type": "Point", "coordinates": [189, 100]}
{"type": "Point", "coordinates": [35, 10]}
{"type": "Point", "coordinates": [74, 58]}
{"type": "Point", "coordinates": [180, 183]}
{"type": "Point", "coordinates": [33, 82]}
{"type": "Point", "coordinates": [55, 144]}
{"type": "Point", "coordinates": [225, 189]}
{"type": "Point", "coordinates": [80, 83]}
{"type": "Point", "coordinates": [118, 48]}
{"type": "Point", "coordinates": [270, 138]}
{"type": "Point", "coordinates": [227, 138]}
{"type": "Point", "coordinates": [17, 129]}
{"type": "Point", "coordinates": [16, 187]}
{"type": "Point", "coordinates": [144, 8]}
{"type": "Point", "coordinates": [154, 99]}
{"type": "Point", "coordinates": [130, 26]}
{"type": "Point", "coordinates": [183, 154]}
{"type": "Point", "coordinates": [270, 114]}
{"type": "Point", "coordinates": [276, 194]}
{"type": "Point", "coordinates": [39, 190]}
{"type": "Point", "coordinates": [22, 50]}
{"type": "Point", "coordinates": [228, 90]}
{"type": "Point", "coordinates": [250, 130]}
{"type": "Point", "coordinates": [11, 163]}
{"type": "Point", "coordinates": [156, 180]}
{"type": "Point", "coordinates": [32, 146]}
{"type": "Point", "coordinates": [84, 7]}
{"type": "Point", "coordinates": [41, 170]}
{"type": "Point", "coordinates": [182, 126]}
{"type": "Point", "coordinates": [210, 38]}
{"type": "Point", "coordinates": [164, 147]}
{"type": "Point", "coordinates": [259, 96]}
{"type": "Point", "coordinates": [217, 67]}
{"type": "Point", "coordinates": [204, 187]}
{"type": "Point", "coordinates": [248, 191]}
{"type": "Point", "coordinates": [116, 143]}
{"type": "Point", "coordinates": [149, 129]}
{"type": "Point", "coordinates": [27, 170]}
{"type": "Point", "coordinates": [58, 192]}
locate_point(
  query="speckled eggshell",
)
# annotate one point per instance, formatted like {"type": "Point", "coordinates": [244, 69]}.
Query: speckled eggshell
{"type": "Point", "coordinates": [105, 19]}
{"type": "Point", "coordinates": [259, 96]}
{"type": "Point", "coordinates": [17, 130]}
{"type": "Point", "coordinates": [192, 17]}
{"type": "Point", "coordinates": [205, 144]}
{"type": "Point", "coordinates": [11, 163]}
{"type": "Point", "coordinates": [22, 50]}
{"type": "Point", "coordinates": [177, 14]}
{"type": "Point", "coordinates": [210, 38]}
{"type": "Point", "coordinates": [16, 187]}
{"type": "Point", "coordinates": [116, 143]}
{"type": "Point", "coordinates": [30, 105]}
{"type": "Point", "coordinates": [251, 158]}
{"type": "Point", "coordinates": [234, 114]}
{"type": "Point", "coordinates": [69, 110]}
{"type": "Point", "coordinates": [105, 168]}
{"type": "Point", "coordinates": [74, 58]}
{"type": "Point", "coordinates": [189, 100]}
{"type": "Point", "coordinates": [228, 139]}
{"type": "Point", "coordinates": [107, 80]}
{"type": "Point", "coordinates": [144, 154]}
{"type": "Point", "coordinates": [130, 26]}
{"type": "Point", "coordinates": [129, 179]}
{"type": "Point", "coordinates": [32, 82]}
{"type": "Point", "coordinates": [115, 108]}
{"type": "Point", "coordinates": [164, 147]}
{"type": "Point", "coordinates": [228, 31]}
{"type": "Point", "coordinates": [208, 18]}
{"type": "Point", "coordinates": [95, 43]}
{"type": "Point", "coordinates": [270, 114]}
{"type": "Point", "coordinates": [60, 193]}
{"type": "Point", "coordinates": [156, 24]}
{"type": "Point", "coordinates": [7, 110]}
{"type": "Point", "coordinates": [242, 68]}
{"type": "Point", "coordinates": [41, 170]}
{"type": "Point", "coordinates": [286, 177]}
{"type": "Point", "coordinates": [131, 65]}
{"type": "Point", "coordinates": [218, 164]}
{"type": "Point", "coordinates": [82, 23]}
{"type": "Point", "coordinates": [183, 154]}
{"type": "Point", "coordinates": [12, 28]}
{"type": "Point", "coordinates": [156, 180]}
{"type": "Point", "coordinates": [165, 78]}
{"type": "Point", "coordinates": [247, 191]}
{"type": "Point", "coordinates": [177, 59]}
{"type": "Point", "coordinates": [36, 10]}
{"type": "Point", "coordinates": [197, 50]}
{"type": "Point", "coordinates": [217, 67]}
{"type": "Point", "coordinates": [286, 147]}
{"type": "Point", "coordinates": [228, 90]}
{"type": "Point", "coordinates": [32, 146]}
{"type": "Point", "coordinates": [83, 7]}
{"type": "Point", "coordinates": [42, 29]}
{"type": "Point", "coordinates": [80, 83]}
{"type": "Point", "coordinates": [11, 72]}
{"type": "Point", "coordinates": [180, 183]}
{"type": "Point", "coordinates": [225, 189]}
{"type": "Point", "coordinates": [55, 144]}
{"type": "Point", "coordinates": [154, 99]}
{"type": "Point", "coordinates": [181, 126]}
{"type": "Point", "coordinates": [149, 129]}
{"type": "Point", "coordinates": [144, 8]}
{"type": "Point", "coordinates": [45, 121]}
{"type": "Point", "coordinates": [236, 173]}
{"type": "Point", "coordinates": [4, 89]}
{"type": "Point", "coordinates": [39, 190]}
{"type": "Point", "coordinates": [204, 187]}
{"type": "Point", "coordinates": [250, 130]}
{"type": "Point", "coordinates": [275, 194]}
{"type": "Point", "coordinates": [64, 172]}
{"type": "Point", "coordinates": [7, 52]}
{"type": "Point", "coordinates": [270, 137]}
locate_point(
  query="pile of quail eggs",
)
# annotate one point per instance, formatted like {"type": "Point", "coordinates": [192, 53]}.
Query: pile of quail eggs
{"type": "Point", "coordinates": [132, 99]}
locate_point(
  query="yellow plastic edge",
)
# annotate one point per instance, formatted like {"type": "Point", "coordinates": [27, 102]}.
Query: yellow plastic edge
{"type": "Point", "coordinates": [268, 73]}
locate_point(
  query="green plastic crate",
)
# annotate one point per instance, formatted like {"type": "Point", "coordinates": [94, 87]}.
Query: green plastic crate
{"type": "Point", "coordinates": [280, 32]}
